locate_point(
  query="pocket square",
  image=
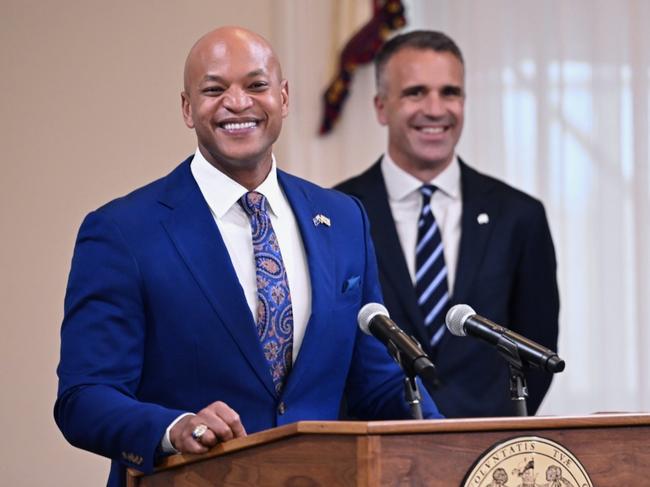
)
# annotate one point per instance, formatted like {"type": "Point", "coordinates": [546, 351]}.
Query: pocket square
{"type": "Point", "coordinates": [351, 283]}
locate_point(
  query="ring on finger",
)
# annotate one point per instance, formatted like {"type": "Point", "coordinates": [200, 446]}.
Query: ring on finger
{"type": "Point", "coordinates": [199, 431]}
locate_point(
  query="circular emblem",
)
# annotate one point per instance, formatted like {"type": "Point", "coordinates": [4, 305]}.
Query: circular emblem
{"type": "Point", "coordinates": [528, 461]}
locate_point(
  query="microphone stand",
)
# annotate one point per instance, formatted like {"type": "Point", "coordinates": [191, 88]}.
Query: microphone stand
{"type": "Point", "coordinates": [412, 394]}
{"type": "Point", "coordinates": [422, 367]}
{"type": "Point", "coordinates": [518, 387]}
{"type": "Point", "coordinates": [518, 390]}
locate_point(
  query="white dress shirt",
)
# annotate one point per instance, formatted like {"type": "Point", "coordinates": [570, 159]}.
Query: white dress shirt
{"type": "Point", "coordinates": [222, 195]}
{"type": "Point", "coordinates": [406, 203]}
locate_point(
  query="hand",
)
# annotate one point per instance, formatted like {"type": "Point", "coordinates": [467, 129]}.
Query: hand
{"type": "Point", "coordinates": [223, 424]}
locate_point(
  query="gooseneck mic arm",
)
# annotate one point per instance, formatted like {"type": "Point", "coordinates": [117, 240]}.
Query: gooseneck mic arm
{"type": "Point", "coordinates": [373, 320]}
{"type": "Point", "coordinates": [462, 320]}
{"type": "Point", "coordinates": [519, 351]}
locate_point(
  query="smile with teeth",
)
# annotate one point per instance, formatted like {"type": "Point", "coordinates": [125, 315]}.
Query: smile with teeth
{"type": "Point", "coordinates": [432, 130]}
{"type": "Point", "coordinates": [235, 126]}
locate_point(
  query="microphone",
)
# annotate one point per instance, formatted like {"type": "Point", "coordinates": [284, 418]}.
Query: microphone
{"type": "Point", "coordinates": [373, 320]}
{"type": "Point", "coordinates": [462, 320]}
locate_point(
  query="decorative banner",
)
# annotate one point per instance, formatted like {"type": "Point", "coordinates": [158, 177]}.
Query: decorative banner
{"type": "Point", "coordinates": [528, 461]}
{"type": "Point", "coordinates": [360, 49]}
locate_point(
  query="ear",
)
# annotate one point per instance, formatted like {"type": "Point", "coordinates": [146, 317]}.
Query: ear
{"type": "Point", "coordinates": [380, 109]}
{"type": "Point", "coordinates": [284, 96]}
{"type": "Point", "coordinates": [186, 108]}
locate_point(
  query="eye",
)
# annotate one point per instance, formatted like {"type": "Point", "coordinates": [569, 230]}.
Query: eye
{"type": "Point", "coordinates": [213, 90]}
{"type": "Point", "coordinates": [451, 91]}
{"type": "Point", "coordinates": [414, 92]}
{"type": "Point", "coordinates": [258, 85]}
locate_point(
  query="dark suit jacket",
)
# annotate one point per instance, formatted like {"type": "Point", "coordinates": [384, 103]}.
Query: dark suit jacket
{"type": "Point", "coordinates": [506, 271]}
{"type": "Point", "coordinates": [156, 324]}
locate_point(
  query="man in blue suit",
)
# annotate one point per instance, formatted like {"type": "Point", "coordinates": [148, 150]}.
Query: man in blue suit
{"type": "Point", "coordinates": [169, 343]}
{"type": "Point", "coordinates": [498, 255]}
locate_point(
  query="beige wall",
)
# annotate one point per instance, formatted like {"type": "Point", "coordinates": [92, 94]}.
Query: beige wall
{"type": "Point", "coordinates": [90, 110]}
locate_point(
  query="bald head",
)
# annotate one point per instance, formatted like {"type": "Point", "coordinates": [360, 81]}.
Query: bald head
{"type": "Point", "coordinates": [225, 42]}
{"type": "Point", "coordinates": [234, 98]}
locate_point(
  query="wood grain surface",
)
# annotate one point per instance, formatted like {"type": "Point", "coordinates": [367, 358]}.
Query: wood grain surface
{"type": "Point", "coordinates": [613, 448]}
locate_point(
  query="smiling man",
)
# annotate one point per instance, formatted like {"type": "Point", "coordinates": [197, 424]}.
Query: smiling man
{"type": "Point", "coordinates": [235, 103]}
{"type": "Point", "coordinates": [221, 299]}
{"type": "Point", "coordinates": [446, 234]}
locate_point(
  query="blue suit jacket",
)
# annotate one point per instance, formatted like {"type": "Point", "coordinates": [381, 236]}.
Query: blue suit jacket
{"type": "Point", "coordinates": [156, 324]}
{"type": "Point", "coordinates": [506, 272]}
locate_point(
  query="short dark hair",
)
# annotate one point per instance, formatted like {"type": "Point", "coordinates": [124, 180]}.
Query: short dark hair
{"type": "Point", "coordinates": [416, 39]}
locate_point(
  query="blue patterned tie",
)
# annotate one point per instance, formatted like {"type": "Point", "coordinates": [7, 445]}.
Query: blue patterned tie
{"type": "Point", "coordinates": [274, 311]}
{"type": "Point", "coordinates": [430, 270]}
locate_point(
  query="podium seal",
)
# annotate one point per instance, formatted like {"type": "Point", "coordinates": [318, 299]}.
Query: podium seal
{"type": "Point", "coordinates": [527, 461]}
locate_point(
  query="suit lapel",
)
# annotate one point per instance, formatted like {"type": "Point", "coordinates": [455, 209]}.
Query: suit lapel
{"type": "Point", "coordinates": [374, 197]}
{"type": "Point", "coordinates": [475, 230]}
{"type": "Point", "coordinates": [318, 250]}
{"type": "Point", "coordinates": [198, 240]}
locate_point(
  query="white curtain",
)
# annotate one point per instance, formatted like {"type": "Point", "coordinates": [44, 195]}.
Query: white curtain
{"type": "Point", "coordinates": [558, 105]}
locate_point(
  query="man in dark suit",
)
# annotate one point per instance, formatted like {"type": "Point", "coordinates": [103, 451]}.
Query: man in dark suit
{"type": "Point", "coordinates": [222, 298]}
{"type": "Point", "coordinates": [494, 248]}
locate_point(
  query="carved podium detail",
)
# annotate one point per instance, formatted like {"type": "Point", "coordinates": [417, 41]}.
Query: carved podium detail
{"type": "Point", "coordinates": [528, 461]}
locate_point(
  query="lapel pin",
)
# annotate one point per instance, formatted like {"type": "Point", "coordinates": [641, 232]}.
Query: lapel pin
{"type": "Point", "coordinates": [320, 218]}
{"type": "Point", "coordinates": [483, 218]}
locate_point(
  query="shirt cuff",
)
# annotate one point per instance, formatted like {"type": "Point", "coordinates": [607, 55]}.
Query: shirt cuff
{"type": "Point", "coordinates": [166, 444]}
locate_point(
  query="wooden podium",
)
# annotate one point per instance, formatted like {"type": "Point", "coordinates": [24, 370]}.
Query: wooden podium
{"type": "Point", "coordinates": [614, 450]}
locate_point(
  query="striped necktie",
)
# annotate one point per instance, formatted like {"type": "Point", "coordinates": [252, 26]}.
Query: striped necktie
{"type": "Point", "coordinates": [274, 310]}
{"type": "Point", "coordinates": [430, 270]}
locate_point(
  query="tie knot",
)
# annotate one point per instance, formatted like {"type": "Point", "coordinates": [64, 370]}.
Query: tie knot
{"type": "Point", "coordinates": [426, 190]}
{"type": "Point", "coordinates": [253, 202]}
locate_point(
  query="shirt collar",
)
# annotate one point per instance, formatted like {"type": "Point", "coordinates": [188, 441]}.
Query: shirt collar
{"type": "Point", "coordinates": [400, 184]}
{"type": "Point", "coordinates": [222, 192]}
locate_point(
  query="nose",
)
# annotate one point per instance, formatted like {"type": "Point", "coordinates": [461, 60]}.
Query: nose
{"type": "Point", "coordinates": [236, 100]}
{"type": "Point", "coordinates": [434, 105]}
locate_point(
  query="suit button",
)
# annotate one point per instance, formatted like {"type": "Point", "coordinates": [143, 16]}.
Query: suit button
{"type": "Point", "coordinates": [282, 408]}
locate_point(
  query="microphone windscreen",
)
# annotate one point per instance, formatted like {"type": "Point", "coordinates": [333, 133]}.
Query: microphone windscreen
{"type": "Point", "coordinates": [367, 313]}
{"type": "Point", "coordinates": [456, 318]}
